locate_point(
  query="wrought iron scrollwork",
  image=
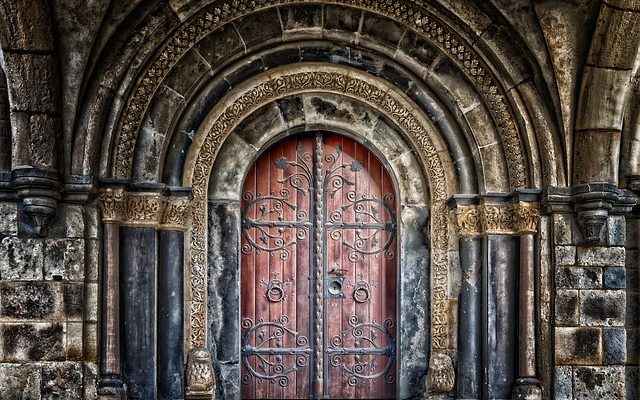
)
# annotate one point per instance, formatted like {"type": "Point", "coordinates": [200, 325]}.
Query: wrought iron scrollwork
{"type": "Point", "coordinates": [276, 291]}
{"type": "Point", "coordinates": [269, 353]}
{"type": "Point", "coordinates": [371, 354]}
{"type": "Point", "coordinates": [362, 289]}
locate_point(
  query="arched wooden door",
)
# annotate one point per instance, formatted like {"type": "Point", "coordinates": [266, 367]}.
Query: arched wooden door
{"type": "Point", "coordinates": [319, 272]}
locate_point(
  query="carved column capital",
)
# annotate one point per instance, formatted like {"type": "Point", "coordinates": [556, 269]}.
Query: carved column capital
{"type": "Point", "coordinates": [201, 379]}
{"type": "Point", "coordinates": [176, 214]}
{"type": "Point", "coordinates": [468, 220]}
{"type": "Point", "coordinates": [112, 204]}
{"type": "Point", "coordinates": [526, 217]}
{"type": "Point", "coordinates": [144, 209]}
{"type": "Point", "coordinates": [497, 219]}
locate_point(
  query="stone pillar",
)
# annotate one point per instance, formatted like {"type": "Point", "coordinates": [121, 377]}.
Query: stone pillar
{"type": "Point", "coordinates": [110, 385]}
{"type": "Point", "coordinates": [469, 368]}
{"type": "Point", "coordinates": [499, 287]}
{"type": "Point", "coordinates": [527, 218]}
{"type": "Point", "coordinates": [170, 322]}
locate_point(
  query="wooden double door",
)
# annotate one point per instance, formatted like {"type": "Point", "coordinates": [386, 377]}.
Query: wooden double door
{"type": "Point", "coordinates": [319, 272]}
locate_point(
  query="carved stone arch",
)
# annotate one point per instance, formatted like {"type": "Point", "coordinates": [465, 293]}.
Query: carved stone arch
{"type": "Point", "coordinates": [421, 20]}
{"type": "Point", "coordinates": [323, 78]}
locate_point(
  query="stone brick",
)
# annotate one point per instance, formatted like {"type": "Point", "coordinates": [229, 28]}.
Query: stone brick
{"type": "Point", "coordinates": [20, 381]}
{"type": "Point", "coordinates": [73, 300]}
{"type": "Point", "coordinates": [578, 346]}
{"type": "Point", "coordinates": [92, 259]}
{"type": "Point", "coordinates": [30, 77]}
{"type": "Point", "coordinates": [632, 259]}
{"type": "Point", "coordinates": [615, 278]}
{"type": "Point", "coordinates": [91, 341]}
{"type": "Point", "coordinates": [598, 383]}
{"type": "Point", "coordinates": [20, 259]}
{"type": "Point", "coordinates": [562, 229]}
{"type": "Point", "coordinates": [75, 336]}
{"type": "Point", "coordinates": [579, 277]}
{"type": "Point", "coordinates": [602, 307]}
{"type": "Point", "coordinates": [62, 380]}
{"type": "Point", "coordinates": [301, 17]}
{"type": "Point", "coordinates": [596, 256]}
{"type": "Point", "coordinates": [64, 259]}
{"type": "Point", "coordinates": [567, 307]}
{"type": "Point", "coordinates": [27, 300]}
{"type": "Point", "coordinates": [32, 342]}
{"type": "Point", "coordinates": [8, 219]}
{"type": "Point", "coordinates": [565, 255]}
{"type": "Point", "coordinates": [633, 305]}
{"type": "Point", "coordinates": [90, 380]}
{"type": "Point", "coordinates": [616, 231]}
{"type": "Point", "coordinates": [69, 222]}
{"type": "Point", "coordinates": [633, 346]}
{"type": "Point", "coordinates": [615, 346]}
{"type": "Point", "coordinates": [563, 383]}
{"type": "Point", "coordinates": [633, 279]}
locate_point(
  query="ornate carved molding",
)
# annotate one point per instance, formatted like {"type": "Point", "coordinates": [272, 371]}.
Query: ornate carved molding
{"type": "Point", "coordinates": [406, 13]}
{"type": "Point", "coordinates": [469, 220]}
{"type": "Point", "coordinates": [441, 375]}
{"type": "Point", "coordinates": [144, 209]}
{"type": "Point", "coordinates": [289, 81]}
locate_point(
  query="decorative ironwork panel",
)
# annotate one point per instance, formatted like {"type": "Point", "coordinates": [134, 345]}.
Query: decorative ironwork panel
{"type": "Point", "coordinates": [319, 272]}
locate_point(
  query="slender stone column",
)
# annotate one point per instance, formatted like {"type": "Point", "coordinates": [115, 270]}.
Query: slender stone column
{"type": "Point", "coordinates": [469, 382]}
{"type": "Point", "coordinates": [527, 216]}
{"type": "Point", "coordinates": [499, 287]}
{"type": "Point", "coordinates": [110, 384]}
{"type": "Point", "coordinates": [170, 323]}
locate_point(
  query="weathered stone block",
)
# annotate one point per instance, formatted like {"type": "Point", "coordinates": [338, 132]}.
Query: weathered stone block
{"type": "Point", "coordinates": [20, 259]}
{"type": "Point", "coordinates": [600, 256]}
{"type": "Point", "coordinates": [598, 383]}
{"type": "Point", "coordinates": [91, 302]}
{"type": "Point", "coordinates": [579, 278]}
{"type": "Point", "coordinates": [62, 380]}
{"type": "Point", "coordinates": [27, 300]}
{"type": "Point", "coordinates": [615, 346]}
{"type": "Point", "coordinates": [30, 78]}
{"type": "Point", "coordinates": [32, 342]}
{"type": "Point", "coordinates": [220, 44]}
{"type": "Point", "coordinates": [8, 219]}
{"type": "Point", "coordinates": [69, 222]}
{"type": "Point", "coordinates": [302, 17]}
{"type": "Point", "coordinates": [567, 307]}
{"type": "Point", "coordinates": [563, 229]}
{"type": "Point", "coordinates": [632, 382]}
{"type": "Point", "coordinates": [73, 300]}
{"type": "Point", "coordinates": [632, 279]}
{"type": "Point", "coordinates": [616, 231]}
{"type": "Point", "coordinates": [615, 278]}
{"type": "Point", "coordinates": [252, 27]}
{"type": "Point", "coordinates": [382, 29]}
{"type": "Point", "coordinates": [64, 259]}
{"type": "Point", "coordinates": [615, 37]}
{"type": "Point", "coordinates": [75, 337]}
{"type": "Point", "coordinates": [632, 259]}
{"type": "Point", "coordinates": [602, 307]}
{"type": "Point", "coordinates": [91, 341]}
{"type": "Point", "coordinates": [633, 346]}
{"type": "Point", "coordinates": [578, 346]}
{"type": "Point", "coordinates": [563, 383]}
{"type": "Point", "coordinates": [20, 381]}
{"type": "Point", "coordinates": [92, 259]}
{"type": "Point", "coordinates": [90, 380]}
{"type": "Point", "coordinates": [633, 305]}
{"type": "Point", "coordinates": [565, 255]}
{"type": "Point", "coordinates": [341, 18]}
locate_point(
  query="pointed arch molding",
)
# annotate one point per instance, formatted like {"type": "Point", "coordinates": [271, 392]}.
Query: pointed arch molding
{"type": "Point", "coordinates": [314, 77]}
{"type": "Point", "coordinates": [407, 13]}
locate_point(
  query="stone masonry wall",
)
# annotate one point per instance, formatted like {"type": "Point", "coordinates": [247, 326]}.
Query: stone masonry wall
{"type": "Point", "coordinates": [48, 307]}
{"type": "Point", "coordinates": [590, 312]}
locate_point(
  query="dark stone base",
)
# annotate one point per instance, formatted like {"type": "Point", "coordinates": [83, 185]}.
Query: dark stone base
{"type": "Point", "coordinates": [527, 389]}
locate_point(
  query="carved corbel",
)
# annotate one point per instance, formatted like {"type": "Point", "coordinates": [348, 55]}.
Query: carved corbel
{"type": "Point", "coordinates": [593, 203]}
{"type": "Point", "coordinates": [40, 192]}
{"type": "Point", "coordinates": [441, 376]}
{"type": "Point", "coordinates": [201, 380]}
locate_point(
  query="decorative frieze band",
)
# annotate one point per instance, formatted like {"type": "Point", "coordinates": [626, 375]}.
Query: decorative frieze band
{"type": "Point", "coordinates": [144, 209]}
{"type": "Point", "coordinates": [497, 219]}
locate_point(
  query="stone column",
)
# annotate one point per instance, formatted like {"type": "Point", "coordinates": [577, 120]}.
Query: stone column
{"type": "Point", "coordinates": [170, 322]}
{"type": "Point", "coordinates": [527, 217]}
{"type": "Point", "coordinates": [469, 368]}
{"type": "Point", "coordinates": [499, 288]}
{"type": "Point", "coordinates": [110, 384]}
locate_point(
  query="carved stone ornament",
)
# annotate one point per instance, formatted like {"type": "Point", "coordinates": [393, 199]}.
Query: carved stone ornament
{"type": "Point", "coordinates": [201, 380]}
{"type": "Point", "coordinates": [468, 220]}
{"type": "Point", "coordinates": [112, 205]}
{"type": "Point", "coordinates": [527, 217]}
{"type": "Point", "coordinates": [498, 219]}
{"type": "Point", "coordinates": [441, 375]}
{"type": "Point", "coordinates": [144, 209]}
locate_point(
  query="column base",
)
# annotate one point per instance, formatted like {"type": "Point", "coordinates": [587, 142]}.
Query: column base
{"type": "Point", "coordinates": [527, 389]}
{"type": "Point", "coordinates": [110, 387]}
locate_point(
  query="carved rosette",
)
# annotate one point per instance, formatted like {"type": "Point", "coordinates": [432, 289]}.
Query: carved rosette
{"type": "Point", "coordinates": [201, 380]}
{"type": "Point", "coordinates": [527, 217]}
{"type": "Point", "coordinates": [497, 219]}
{"type": "Point", "coordinates": [112, 204]}
{"type": "Point", "coordinates": [144, 209]}
{"type": "Point", "coordinates": [468, 220]}
{"type": "Point", "coordinates": [176, 214]}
